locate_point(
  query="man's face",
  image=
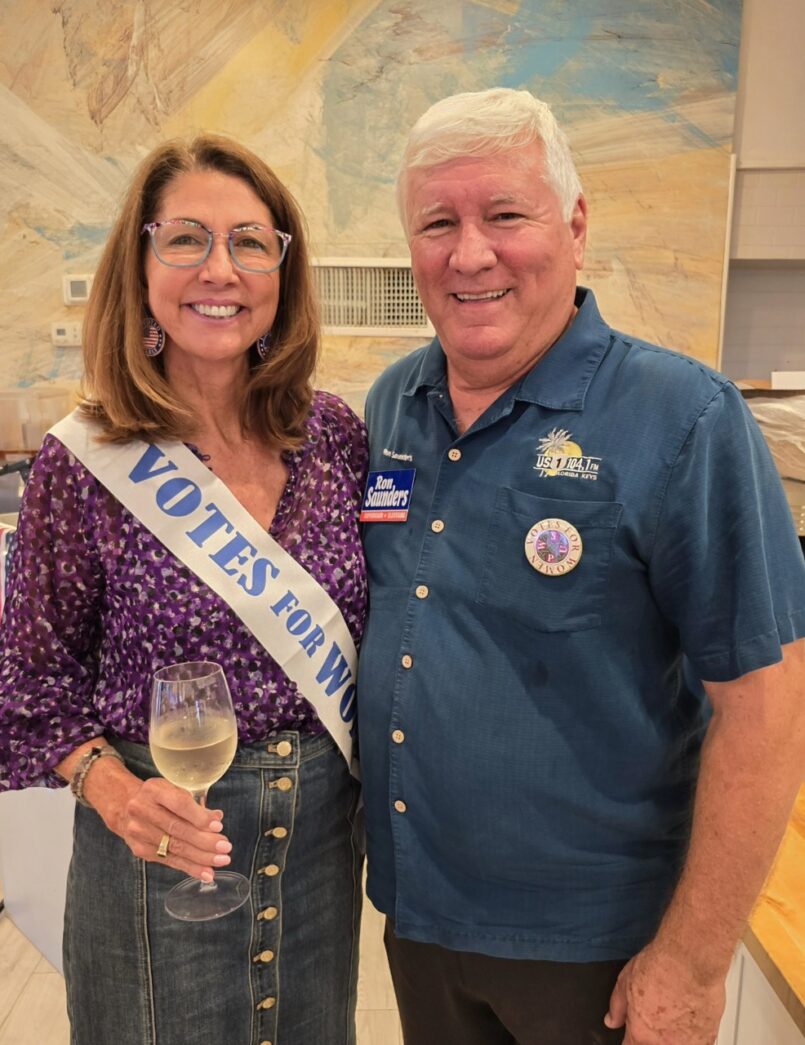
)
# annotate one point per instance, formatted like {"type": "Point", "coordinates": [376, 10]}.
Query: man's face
{"type": "Point", "coordinates": [494, 262]}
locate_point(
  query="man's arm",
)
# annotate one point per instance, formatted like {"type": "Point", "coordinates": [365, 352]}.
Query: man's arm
{"type": "Point", "coordinates": [752, 764]}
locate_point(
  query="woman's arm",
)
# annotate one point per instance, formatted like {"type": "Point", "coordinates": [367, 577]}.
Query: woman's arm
{"type": "Point", "coordinates": [49, 640]}
{"type": "Point", "coordinates": [49, 632]}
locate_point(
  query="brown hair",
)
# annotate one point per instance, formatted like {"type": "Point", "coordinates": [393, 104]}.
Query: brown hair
{"type": "Point", "coordinates": [124, 391]}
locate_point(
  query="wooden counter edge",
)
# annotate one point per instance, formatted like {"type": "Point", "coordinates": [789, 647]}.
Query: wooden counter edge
{"type": "Point", "coordinates": [776, 980]}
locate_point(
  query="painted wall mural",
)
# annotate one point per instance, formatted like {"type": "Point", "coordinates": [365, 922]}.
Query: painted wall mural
{"type": "Point", "coordinates": [325, 90]}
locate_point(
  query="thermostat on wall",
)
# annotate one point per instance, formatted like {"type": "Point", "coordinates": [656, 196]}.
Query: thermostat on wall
{"type": "Point", "coordinates": [76, 289]}
{"type": "Point", "coordinates": [65, 335]}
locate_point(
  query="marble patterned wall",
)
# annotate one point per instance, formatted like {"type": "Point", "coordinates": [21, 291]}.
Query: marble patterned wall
{"type": "Point", "coordinates": [325, 90]}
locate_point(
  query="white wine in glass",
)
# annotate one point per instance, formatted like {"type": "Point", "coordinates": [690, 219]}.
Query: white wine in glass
{"type": "Point", "coordinates": [193, 736]}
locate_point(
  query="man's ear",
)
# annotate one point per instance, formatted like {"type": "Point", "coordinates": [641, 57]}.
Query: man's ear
{"type": "Point", "coordinates": [578, 227]}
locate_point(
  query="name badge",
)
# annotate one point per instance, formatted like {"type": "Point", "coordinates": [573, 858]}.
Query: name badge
{"type": "Point", "coordinates": [388, 495]}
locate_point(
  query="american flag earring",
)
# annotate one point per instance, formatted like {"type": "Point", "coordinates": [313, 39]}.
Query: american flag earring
{"type": "Point", "coordinates": [153, 337]}
{"type": "Point", "coordinates": [263, 344]}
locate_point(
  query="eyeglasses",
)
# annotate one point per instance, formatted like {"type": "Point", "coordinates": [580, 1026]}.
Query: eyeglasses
{"type": "Point", "coordinates": [182, 243]}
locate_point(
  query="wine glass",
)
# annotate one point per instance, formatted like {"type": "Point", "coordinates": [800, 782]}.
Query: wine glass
{"type": "Point", "coordinates": [192, 736]}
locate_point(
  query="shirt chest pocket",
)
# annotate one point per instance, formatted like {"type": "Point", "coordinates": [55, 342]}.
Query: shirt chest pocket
{"type": "Point", "coordinates": [570, 601]}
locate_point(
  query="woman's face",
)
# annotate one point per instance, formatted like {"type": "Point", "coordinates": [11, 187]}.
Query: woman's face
{"type": "Point", "coordinates": [213, 312]}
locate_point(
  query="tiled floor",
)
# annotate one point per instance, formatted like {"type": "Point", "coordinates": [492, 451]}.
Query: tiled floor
{"type": "Point", "coordinates": [32, 1008]}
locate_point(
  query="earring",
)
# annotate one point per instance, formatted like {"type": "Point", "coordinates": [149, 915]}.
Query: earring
{"type": "Point", "coordinates": [263, 344]}
{"type": "Point", "coordinates": [153, 337]}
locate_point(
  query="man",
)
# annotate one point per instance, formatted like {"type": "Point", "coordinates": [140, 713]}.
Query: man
{"type": "Point", "coordinates": [566, 829]}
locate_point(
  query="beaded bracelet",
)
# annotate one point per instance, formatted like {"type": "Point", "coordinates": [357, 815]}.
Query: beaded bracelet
{"type": "Point", "coordinates": [84, 766]}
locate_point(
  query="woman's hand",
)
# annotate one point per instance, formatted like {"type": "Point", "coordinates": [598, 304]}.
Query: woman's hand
{"type": "Point", "coordinates": [156, 808]}
{"type": "Point", "coordinates": [142, 812]}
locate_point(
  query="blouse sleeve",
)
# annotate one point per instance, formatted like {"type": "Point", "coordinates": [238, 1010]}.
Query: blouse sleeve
{"type": "Point", "coordinates": [48, 635]}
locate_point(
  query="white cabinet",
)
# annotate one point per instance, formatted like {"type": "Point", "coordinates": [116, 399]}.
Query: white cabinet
{"type": "Point", "coordinates": [36, 842]}
{"type": "Point", "coordinates": [754, 1014]}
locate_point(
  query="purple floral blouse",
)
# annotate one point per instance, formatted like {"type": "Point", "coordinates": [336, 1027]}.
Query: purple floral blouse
{"type": "Point", "coordinates": [96, 603]}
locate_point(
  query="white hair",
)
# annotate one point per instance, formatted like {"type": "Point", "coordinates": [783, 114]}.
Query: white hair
{"type": "Point", "coordinates": [482, 123]}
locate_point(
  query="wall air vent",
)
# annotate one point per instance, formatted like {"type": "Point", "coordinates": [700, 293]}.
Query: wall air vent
{"type": "Point", "coordinates": [372, 296]}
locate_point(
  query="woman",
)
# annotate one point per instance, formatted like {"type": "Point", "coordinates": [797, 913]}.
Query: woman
{"type": "Point", "coordinates": [201, 338]}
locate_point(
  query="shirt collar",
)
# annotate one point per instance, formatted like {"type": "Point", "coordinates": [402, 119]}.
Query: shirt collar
{"type": "Point", "coordinates": [559, 380]}
{"type": "Point", "coordinates": [431, 370]}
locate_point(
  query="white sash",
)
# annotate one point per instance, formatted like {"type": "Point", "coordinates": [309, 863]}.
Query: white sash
{"type": "Point", "coordinates": [198, 519]}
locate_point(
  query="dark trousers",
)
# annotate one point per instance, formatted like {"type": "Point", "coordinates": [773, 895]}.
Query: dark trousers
{"type": "Point", "coordinates": [461, 998]}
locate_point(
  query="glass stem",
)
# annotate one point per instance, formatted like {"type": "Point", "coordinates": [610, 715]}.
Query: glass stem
{"type": "Point", "coordinates": [201, 798]}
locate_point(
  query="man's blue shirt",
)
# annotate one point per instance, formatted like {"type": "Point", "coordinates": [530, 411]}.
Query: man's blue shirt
{"type": "Point", "coordinates": [529, 741]}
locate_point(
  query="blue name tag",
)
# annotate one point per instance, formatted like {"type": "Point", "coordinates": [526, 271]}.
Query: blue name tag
{"type": "Point", "coordinates": [388, 495]}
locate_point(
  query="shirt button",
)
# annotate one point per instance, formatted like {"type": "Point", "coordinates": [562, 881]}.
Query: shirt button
{"type": "Point", "coordinates": [267, 1003]}
{"type": "Point", "coordinates": [398, 736]}
{"type": "Point", "coordinates": [284, 783]}
{"type": "Point", "coordinates": [265, 1043]}
{"type": "Point", "coordinates": [277, 832]}
{"type": "Point", "coordinates": [284, 748]}
{"type": "Point", "coordinates": [407, 661]}
{"type": "Point", "coordinates": [268, 914]}
{"type": "Point", "coordinates": [454, 454]}
{"type": "Point", "coordinates": [263, 956]}
{"type": "Point", "coordinates": [422, 591]}
{"type": "Point", "coordinates": [400, 806]}
{"type": "Point", "coordinates": [437, 525]}
{"type": "Point", "coordinates": [271, 870]}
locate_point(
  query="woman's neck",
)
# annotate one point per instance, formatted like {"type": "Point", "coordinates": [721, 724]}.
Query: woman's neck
{"type": "Point", "coordinates": [213, 393]}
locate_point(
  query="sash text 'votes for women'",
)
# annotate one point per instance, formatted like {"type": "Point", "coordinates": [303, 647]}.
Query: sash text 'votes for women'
{"type": "Point", "coordinates": [246, 573]}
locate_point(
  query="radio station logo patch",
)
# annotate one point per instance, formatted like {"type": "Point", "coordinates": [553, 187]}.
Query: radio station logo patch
{"type": "Point", "coordinates": [558, 454]}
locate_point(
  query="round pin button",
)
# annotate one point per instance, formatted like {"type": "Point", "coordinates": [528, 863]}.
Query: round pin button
{"type": "Point", "coordinates": [553, 547]}
{"type": "Point", "coordinates": [284, 748]}
{"type": "Point", "coordinates": [285, 783]}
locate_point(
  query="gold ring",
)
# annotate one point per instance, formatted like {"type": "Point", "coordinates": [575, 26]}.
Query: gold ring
{"type": "Point", "coordinates": [162, 848]}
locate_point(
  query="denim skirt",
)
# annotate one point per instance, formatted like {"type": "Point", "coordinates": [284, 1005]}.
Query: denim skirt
{"type": "Point", "coordinates": [282, 970]}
